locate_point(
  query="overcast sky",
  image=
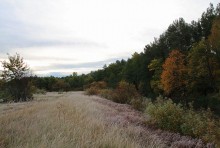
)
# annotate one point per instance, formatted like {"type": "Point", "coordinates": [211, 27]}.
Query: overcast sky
{"type": "Point", "coordinates": [64, 36]}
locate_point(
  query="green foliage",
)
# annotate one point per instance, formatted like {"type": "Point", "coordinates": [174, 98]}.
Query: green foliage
{"type": "Point", "coordinates": [179, 35]}
{"type": "Point", "coordinates": [199, 124]}
{"type": "Point", "coordinates": [195, 78]}
{"type": "Point", "coordinates": [138, 103]}
{"type": "Point", "coordinates": [156, 66]}
{"type": "Point", "coordinates": [202, 67]}
{"type": "Point", "coordinates": [166, 114]}
{"type": "Point", "coordinates": [18, 85]}
{"type": "Point", "coordinates": [173, 117]}
{"type": "Point", "coordinates": [40, 91]}
{"type": "Point", "coordinates": [60, 85]}
{"type": "Point", "coordinates": [15, 68]}
{"type": "Point", "coordinates": [207, 20]}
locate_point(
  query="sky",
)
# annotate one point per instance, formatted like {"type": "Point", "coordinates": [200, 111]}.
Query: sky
{"type": "Point", "coordinates": [59, 37]}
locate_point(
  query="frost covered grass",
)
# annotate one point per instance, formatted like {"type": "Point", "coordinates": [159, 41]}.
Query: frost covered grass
{"type": "Point", "coordinates": [64, 120]}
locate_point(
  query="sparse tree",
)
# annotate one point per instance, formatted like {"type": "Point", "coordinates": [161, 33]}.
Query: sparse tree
{"type": "Point", "coordinates": [15, 76]}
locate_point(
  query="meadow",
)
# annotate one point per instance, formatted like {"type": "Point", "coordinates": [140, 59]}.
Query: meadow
{"type": "Point", "coordinates": [73, 119]}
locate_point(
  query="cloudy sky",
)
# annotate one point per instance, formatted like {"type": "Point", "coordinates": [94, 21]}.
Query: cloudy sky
{"type": "Point", "coordinates": [59, 37]}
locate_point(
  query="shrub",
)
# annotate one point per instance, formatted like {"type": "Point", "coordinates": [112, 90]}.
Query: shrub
{"type": "Point", "coordinates": [125, 92]}
{"type": "Point", "coordinates": [172, 117]}
{"type": "Point", "coordinates": [166, 115]}
{"type": "Point", "coordinates": [201, 125]}
{"type": "Point", "coordinates": [138, 103]}
{"type": "Point", "coordinates": [99, 85]}
{"type": "Point", "coordinates": [5, 97]}
{"type": "Point", "coordinates": [40, 91]}
{"type": "Point", "coordinates": [92, 91]}
{"type": "Point", "coordinates": [95, 88]}
{"type": "Point", "coordinates": [106, 93]}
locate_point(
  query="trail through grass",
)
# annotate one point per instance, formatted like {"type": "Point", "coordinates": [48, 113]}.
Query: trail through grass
{"type": "Point", "coordinates": [64, 121]}
{"type": "Point", "coordinates": [73, 119]}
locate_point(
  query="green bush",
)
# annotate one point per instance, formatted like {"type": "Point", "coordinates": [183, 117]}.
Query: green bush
{"type": "Point", "coordinates": [40, 91]}
{"type": "Point", "coordinates": [138, 103]}
{"type": "Point", "coordinates": [5, 97]}
{"type": "Point", "coordinates": [199, 124]}
{"type": "Point", "coordinates": [173, 117]}
{"type": "Point", "coordinates": [166, 115]}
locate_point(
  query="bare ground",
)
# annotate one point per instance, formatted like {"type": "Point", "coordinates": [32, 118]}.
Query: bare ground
{"type": "Point", "coordinates": [75, 120]}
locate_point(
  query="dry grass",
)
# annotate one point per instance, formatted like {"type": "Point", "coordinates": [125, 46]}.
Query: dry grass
{"type": "Point", "coordinates": [72, 119]}
{"type": "Point", "coordinates": [65, 120]}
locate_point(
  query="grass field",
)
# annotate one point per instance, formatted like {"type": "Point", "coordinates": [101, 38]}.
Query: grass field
{"type": "Point", "coordinates": [74, 120]}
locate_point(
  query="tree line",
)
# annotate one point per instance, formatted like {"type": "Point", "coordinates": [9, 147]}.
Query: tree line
{"type": "Point", "coordinates": [183, 63]}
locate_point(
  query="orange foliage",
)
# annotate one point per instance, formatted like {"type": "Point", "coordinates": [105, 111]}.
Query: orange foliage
{"type": "Point", "coordinates": [174, 72]}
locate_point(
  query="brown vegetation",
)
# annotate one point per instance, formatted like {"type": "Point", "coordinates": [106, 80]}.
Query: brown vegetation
{"type": "Point", "coordinates": [75, 120]}
{"type": "Point", "coordinates": [65, 120]}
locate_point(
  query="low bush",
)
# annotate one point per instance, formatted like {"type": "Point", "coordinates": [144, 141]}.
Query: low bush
{"type": "Point", "coordinates": [166, 115]}
{"type": "Point", "coordinates": [125, 92]}
{"type": "Point", "coordinates": [5, 97]}
{"type": "Point", "coordinates": [173, 117]}
{"type": "Point", "coordinates": [138, 103]}
{"type": "Point", "coordinates": [95, 88]}
{"type": "Point", "coordinates": [199, 124]}
{"type": "Point", "coordinates": [40, 91]}
{"type": "Point", "coordinates": [107, 93]}
{"type": "Point", "coordinates": [92, 91]}
{"type": "Point", "coordinates": [98, 85]}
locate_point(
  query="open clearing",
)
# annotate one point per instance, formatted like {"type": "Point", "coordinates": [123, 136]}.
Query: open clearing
{"type": "Point", "coordinates": [74, 120]}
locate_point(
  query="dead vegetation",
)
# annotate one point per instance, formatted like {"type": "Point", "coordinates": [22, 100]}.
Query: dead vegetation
{"type": "Point", "coordinates": [75, 120]}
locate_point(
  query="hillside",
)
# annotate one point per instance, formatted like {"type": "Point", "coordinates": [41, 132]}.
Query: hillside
{"type": "Point", "coordinates": [75, 120]}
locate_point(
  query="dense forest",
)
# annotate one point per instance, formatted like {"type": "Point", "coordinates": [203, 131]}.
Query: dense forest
{"type": "Point", "coordinates": [183, 63]}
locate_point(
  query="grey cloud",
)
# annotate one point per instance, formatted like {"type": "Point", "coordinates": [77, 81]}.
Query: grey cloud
{"type": "Point", "coordinates": [96, 65]}
{"type": "Point", "coordinates": [15, 33]}
{"type": "Point", "coordinates": [10, 40]}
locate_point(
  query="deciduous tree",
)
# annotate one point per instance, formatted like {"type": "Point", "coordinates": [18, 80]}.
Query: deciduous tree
{"type": "Point", "coordinates": [15, 75]}
{"type": "Point", "coordinates": [173, 77]}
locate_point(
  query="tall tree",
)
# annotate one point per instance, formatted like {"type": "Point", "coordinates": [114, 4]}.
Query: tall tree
{"type": "Point", "coordinates": [156, 67]}
{"type": "Point", "coordinates": [173, 77]}
{"type": "Point", "coordinates": [207, 20]}
{"type": "Point", "coordinates": [214, 38]}
{"type": "Point", "coordinates": [202, 66]}
{"type": "Point", "coordinates": [179, 35]}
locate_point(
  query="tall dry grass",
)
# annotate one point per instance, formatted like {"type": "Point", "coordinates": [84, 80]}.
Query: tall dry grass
{"type": "Point", "coordinates": [65, 120]}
